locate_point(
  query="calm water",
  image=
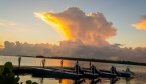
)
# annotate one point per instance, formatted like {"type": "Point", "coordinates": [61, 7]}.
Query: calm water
{"type": "Point", "coordinates": [139, 79]}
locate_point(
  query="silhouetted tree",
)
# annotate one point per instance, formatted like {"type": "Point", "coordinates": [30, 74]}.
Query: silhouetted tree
{"type": "Point", "coordinates": [8, 77]}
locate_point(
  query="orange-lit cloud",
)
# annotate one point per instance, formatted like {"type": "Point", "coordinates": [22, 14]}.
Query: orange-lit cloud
{"type": "Point", "coordinates": [77, 26]}
{"type": "Point", "coordinates": [57, 23]}
{"type": "Point", "coordinates": [140, 24]}
{"type": "Point", "coordinates": [1, 46]}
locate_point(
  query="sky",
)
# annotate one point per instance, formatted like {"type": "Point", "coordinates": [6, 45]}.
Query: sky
{"type": "Point", "coordinates": [18, 20]}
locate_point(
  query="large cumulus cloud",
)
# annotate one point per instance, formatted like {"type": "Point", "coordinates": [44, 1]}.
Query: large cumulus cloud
{"type": "Point", "coordinates": [89, 29]}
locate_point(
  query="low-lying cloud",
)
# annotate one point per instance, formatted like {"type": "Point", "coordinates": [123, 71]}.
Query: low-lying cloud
{"type": "Point", "coordinates": [73, 49]}
{"type": "Point", "coordinates": [141, 24]}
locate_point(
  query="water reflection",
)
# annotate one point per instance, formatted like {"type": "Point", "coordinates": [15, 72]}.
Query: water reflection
{"type": "Point", "coordinates": [139, 77]}
{"type": "Point", "coordinates": [92, 81]}
{"type": "Point", "coordinates": [95, 81]}
{"type": "Point", "coordinates": [41, 80]}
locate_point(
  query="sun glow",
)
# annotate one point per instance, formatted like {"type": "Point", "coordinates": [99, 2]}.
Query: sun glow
{"type": "Point", "coordinates": [57, 23]}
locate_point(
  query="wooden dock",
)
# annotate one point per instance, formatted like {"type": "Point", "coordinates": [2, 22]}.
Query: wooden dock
{"type": "Point", "coordinates": [67, 73]}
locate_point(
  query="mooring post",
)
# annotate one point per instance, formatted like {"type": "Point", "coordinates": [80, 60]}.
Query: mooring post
{"type": "Point", "coordinates": [113, 70]}
{"type": "Point", "coordinates": [43, 62]}
{"type": "Point", "coordinates": [90, 64]}
{"type": "Point", "coordinates": [61, 64]}
{"type": "Point", "coordinates": [127, 69]}
{"type": "Point", "coordinates": [19, 61]}
{"type": "Point", "coordinates": [77, 67]}
{"type": "Point", "coordinates": [60, 81]}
